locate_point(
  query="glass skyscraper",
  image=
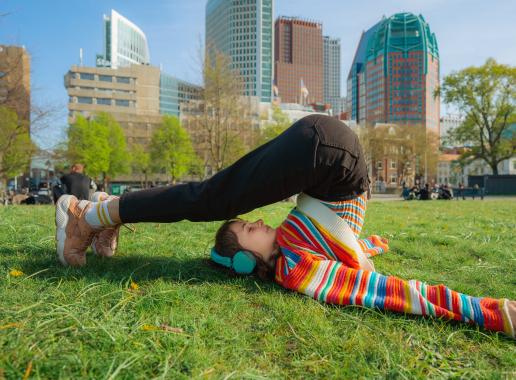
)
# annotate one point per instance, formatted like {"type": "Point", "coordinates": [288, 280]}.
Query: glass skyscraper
{"type": "Point", "coordinates": [394, 74]}
{"type": "Point", "coordinates": [124, 43]}
{"type": "Point", "coordinates": [242, 29]}
{"type": "Point", "coordinates": [174, 91]}
{"type": "Point", "coordinates": [331, 59]}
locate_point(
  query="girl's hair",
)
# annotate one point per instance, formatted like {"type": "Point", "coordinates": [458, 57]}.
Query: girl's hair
{"type": "Point", "coordinates": [226, 244]}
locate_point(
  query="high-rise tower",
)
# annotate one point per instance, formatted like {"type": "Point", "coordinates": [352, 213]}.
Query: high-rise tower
{"type": "Point", "coordinates": [331, 55]}
{"type": "Point", "coordinates": [298, 66]}
{"type": "Point", "coordinates": [243, 30]}
{"type": "Point", "coordinates": [394, 74]}
{"type": "Point", "coordinates": [124, 43]}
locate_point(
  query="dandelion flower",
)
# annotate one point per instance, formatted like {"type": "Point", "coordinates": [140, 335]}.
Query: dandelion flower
{"type": "Point", "coordinates": [16, 273]}
{"type": "Point", "coordinates": [134, 286]}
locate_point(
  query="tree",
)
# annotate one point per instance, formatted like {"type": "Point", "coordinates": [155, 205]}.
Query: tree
{"type": "Point", "coordinates": [140, 163]}
{"type": "Point", "coordinates": [414, 149]}
{"type": "Point", "coordinates": [171, 150]}
{"type": "Point", "coordinates": [99, 144]}
{"type": "Point", "coordinates": [16, 147]}
{"type": "Point", "coordinates": [280, 123]}
{"type": "Point", "coordinates": [220, 122]}
{"type": "Point", "coordinates": [486, 95]}
{"type": "Point", "coordinates": [118, 154]}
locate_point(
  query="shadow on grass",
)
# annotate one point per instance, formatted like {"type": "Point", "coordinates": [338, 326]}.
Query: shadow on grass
{"type": "Point", "coordinates": [41, 262]}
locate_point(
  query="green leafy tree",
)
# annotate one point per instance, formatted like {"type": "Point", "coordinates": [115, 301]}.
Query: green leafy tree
{"type": "Point", "coordinates": [171, 150]}
{"type": "Point", "coordinates": [16, 147]}
{"type": "Point", "coordinates": [99, 144]}
{"type": "Point", "coordinates": [119, 162]}
{"type": "Point", "coordinates": [277, 127]}
{"type": "Point", "coordinates": [486, 95]}
{"type": "Point", "coordinates": [140, 163]}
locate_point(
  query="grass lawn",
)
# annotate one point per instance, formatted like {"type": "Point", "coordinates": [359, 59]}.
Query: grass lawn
{"type": "Point", "coordinates": [160, 310]}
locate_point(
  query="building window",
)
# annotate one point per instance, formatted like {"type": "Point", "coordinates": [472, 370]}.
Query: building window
{"type": "Point", "coordinates": [84, 100]}
{"type": "Point", "coordinates": [122, 103]}
{"type": "Point", "coordinates": [393, 179]}
{"type": "Point", "coordinates": [105, 101]}
{"type": "Point", "coordinates": [87, 76]}
{"type": "Point", "coordinates": [393, 164]}
{"type": "Point", "coordinates": [106, 78]}
{"type": "Point", "coordinates": [379, 165]}
{"type": "Point", "coordinates": [123, 80]}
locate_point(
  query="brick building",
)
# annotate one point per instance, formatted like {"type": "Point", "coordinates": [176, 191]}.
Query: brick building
{"type": "Point", "coordinates": [298, 53]}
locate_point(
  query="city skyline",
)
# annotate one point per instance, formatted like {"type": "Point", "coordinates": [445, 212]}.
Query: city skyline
{"type": "Point", "coordinates": [175, 31]}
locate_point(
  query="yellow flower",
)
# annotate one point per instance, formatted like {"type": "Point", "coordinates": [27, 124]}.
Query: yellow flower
{"type": "Point", "coordinates": [16, 273]}
{"type": "Point", "coordinates": [134, 286]}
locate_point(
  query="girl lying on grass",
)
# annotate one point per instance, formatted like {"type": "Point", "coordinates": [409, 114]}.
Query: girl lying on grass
{"type": "Point", "coordinates": [315, 251]}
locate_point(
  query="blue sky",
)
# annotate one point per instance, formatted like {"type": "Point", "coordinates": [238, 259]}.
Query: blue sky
{"type": "Point", "coordinates": [468, 32]}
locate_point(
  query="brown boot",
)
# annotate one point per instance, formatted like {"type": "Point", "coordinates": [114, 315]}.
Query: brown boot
{"type": "Point", "coordinates": [73, 233]}
{"type": "Point", "coordinates": [106, 241]}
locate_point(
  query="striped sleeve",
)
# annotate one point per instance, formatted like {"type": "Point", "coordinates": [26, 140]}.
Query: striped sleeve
{"type": "Point", "coordinates": [332, 282]}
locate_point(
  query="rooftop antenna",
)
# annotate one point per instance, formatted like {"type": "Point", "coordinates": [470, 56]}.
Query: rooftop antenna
{"type": "Point", "coordinates": [80, 56]}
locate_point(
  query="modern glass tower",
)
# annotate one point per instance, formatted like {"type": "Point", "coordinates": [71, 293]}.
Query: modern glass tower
{"type": "Point", "coordinates": [331, 59]}
{"type": "Point", "coordinates": [243, 30]}
{"type": "Point", "coordinates": [124, 43]}
{"type": "Point", "coordinates": [173, 92]}
{"type": "Point", "coordinates": [394, 74]}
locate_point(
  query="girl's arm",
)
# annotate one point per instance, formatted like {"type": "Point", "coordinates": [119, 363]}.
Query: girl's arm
{"type": "Point", "coordinates": [332, 282]}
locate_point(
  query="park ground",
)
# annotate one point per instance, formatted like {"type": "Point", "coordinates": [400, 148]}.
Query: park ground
{"type": "Point", "coordinates": [159, 309]}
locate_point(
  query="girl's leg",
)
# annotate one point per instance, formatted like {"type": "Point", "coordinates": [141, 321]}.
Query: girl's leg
{"type": "Point", "coordinates": [318, 155]}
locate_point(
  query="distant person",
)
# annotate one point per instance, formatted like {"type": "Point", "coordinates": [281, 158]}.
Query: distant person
{"type": "Point", "coordinates": [76, 183]}
{"type": "Point", "coordinates": [460, 192]}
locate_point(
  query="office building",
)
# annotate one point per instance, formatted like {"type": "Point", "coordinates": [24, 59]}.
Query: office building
{"type": "Point", "coordinates": [394, 74]}
{"type": "Point", "coordinates": [173, 92]}
{"type": "Point", "coordinates": [243, 31]}
{"type": "Point", "coordinates": [124, 43]}
{"type": "Point", "coordinates": [298, 66]}
{"type": "Point", "coordinates": [130, 94]}
{"type": "Point", "coordinates": [331, 59]}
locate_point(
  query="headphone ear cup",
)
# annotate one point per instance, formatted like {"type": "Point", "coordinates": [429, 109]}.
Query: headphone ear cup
{"type": "Point", "coordinates": [244, 262]}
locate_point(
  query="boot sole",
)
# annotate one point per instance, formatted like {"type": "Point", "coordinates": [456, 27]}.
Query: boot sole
{"type": "Point", "coordinates": [62, 206]}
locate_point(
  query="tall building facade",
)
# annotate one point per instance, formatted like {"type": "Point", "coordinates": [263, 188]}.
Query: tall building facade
{"type": "Point", "coordinates": [124, 43]}
{"type": "Point", "coordinates": [15, 80]}
{"type": "Point", "coordinates": [173, 92]}
{"type": "Point", "coordinates": [331, 58]}
{"type": "Point", "coordinates": [394, 74]}
{"type": "Point", "coordinates": [299, 63]}
{"type": "Point", "coordinates": [242, 29]}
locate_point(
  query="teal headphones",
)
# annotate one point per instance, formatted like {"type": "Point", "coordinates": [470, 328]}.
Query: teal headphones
{"type": "Point", "coordinates": [242, 263]}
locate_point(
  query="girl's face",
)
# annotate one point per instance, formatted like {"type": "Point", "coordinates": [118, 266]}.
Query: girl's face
{"type": "Point", "coordinates": [256, 237]}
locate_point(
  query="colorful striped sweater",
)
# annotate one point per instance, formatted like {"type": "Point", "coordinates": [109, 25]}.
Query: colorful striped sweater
{"type": "Point", "coordinates": [312, 262]}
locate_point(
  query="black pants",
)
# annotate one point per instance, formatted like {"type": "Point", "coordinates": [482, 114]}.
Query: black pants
{"type": "Point", "coordinates": [318, 155]}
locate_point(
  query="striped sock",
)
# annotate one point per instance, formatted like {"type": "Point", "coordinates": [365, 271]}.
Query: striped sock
{"type": "Point", "coordinates": [98, 215]}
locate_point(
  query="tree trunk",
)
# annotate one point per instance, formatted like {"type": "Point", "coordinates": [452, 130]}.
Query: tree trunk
{"type": "Point", "coordinates": [494, 167]}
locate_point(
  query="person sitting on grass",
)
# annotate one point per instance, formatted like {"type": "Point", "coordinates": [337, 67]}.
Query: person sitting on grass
{"type": "Point", "coordinates": [318, 156]}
